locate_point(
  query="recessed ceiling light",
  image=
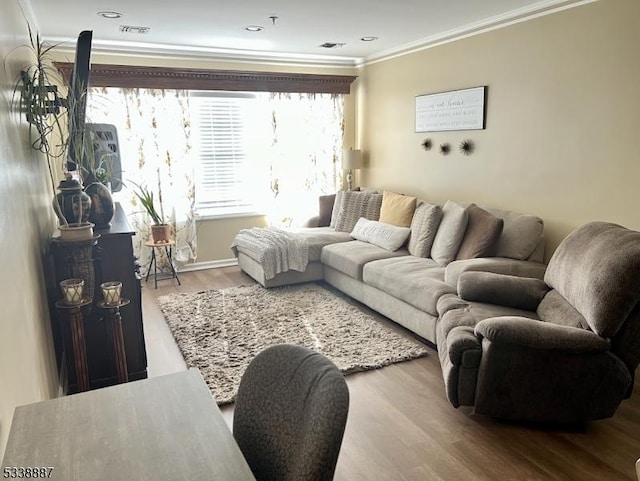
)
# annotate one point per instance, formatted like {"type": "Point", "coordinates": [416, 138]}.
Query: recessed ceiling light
{"type": "Point", "coordinates": [369, 39]}
{"type": "Point", "coordinates": [254, 28]}
{"type": "Point", "coordinates": [107, 14]}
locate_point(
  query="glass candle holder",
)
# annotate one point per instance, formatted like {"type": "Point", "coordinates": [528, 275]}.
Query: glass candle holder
{"type": "Point", "coordinates": [72, 290]}
{"type": "Point", "coordinates": [111, 292]}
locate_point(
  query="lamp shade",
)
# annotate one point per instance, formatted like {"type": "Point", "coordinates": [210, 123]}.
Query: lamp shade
{"type": "Point", "coordinates": [352, 159]}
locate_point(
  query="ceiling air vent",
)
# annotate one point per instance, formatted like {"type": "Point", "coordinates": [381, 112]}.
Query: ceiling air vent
{"type": "Point", "coordinates": [332, 45]}
{"type": "Point", "coordinates": [134, 29]}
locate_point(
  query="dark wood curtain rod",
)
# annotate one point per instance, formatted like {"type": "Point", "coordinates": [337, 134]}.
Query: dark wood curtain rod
{"type": "Point", "coordinates": [200, 79]}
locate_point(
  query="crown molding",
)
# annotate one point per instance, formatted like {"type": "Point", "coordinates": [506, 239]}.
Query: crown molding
{"type": "Point", "coordinates": [182, 52]}
{"type": "Point", "coordinates": [536, 10]}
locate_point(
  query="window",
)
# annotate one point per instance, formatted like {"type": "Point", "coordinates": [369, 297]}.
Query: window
{"type": "Point", "coordinates": [224, 125]}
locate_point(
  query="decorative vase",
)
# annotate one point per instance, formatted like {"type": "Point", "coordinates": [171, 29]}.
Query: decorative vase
{"type": "Point", "coordinates": [161, 233]}
{"type": "Point", "coordinates": [102, 208]}
{"type": "Point", "coordinates": [71, 204]}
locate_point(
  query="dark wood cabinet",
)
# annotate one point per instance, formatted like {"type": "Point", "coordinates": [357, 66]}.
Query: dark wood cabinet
{"type": "Point", "coordinates": [111, 257]}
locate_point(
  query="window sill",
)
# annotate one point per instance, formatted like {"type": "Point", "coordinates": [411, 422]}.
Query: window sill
{"type": "Point", "coordinates": [231, 215]}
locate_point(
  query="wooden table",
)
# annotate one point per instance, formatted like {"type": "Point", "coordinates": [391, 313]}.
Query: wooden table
{"type": "Point", "coordinates": [159, 429]}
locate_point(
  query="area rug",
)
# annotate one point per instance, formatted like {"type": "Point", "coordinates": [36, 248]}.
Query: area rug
{"type": "Point", "coordinates": [221, 331]}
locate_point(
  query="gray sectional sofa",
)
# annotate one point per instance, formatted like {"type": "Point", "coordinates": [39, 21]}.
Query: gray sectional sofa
{"type": "Point", "coordinates": [405, 284]}
{"type": "Point", "coordinates": [516, 339]}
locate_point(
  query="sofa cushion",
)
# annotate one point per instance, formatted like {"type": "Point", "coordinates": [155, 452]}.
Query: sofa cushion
{"type": "Point", "coordinates": [397, 209]}
{"type": "Point", "coordinates": [424, 226]}
{"type": "Point", "coordinates": [387, 236]}
{"type": "Point", "coordinates": [482, 234]}
{"type": "Point", "coordinates": [450, 233]}
{"type": "Point", "coordinates": [520, 234]}
{"type": "Point", "coordinates": [415, 280]}
{"type": "Point", "coordinates": [350, 257]}
{"type": "Point", "coordinates": [355, 205]}
{"type": "Point", "coordinates": [318, 237]}
{"type": "Point", "coordinates": [596, 269]}
{"type": "Point", "coordinates": [325, 209]}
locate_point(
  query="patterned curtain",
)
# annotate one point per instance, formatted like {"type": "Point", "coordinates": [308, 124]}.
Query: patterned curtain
{"type": "Point", "coordinates": [305, 153]}
{"type": "Point", "coordinates": [154, 136]}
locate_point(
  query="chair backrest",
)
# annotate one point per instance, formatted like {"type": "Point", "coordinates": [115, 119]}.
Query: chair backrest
{"type": "Point", "coordinates": [290, 414]}
{"type": "Point", "coordinates": [596, 269]}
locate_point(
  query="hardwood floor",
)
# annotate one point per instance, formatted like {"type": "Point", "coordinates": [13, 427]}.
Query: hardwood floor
{"type": "Point", "coordinates": [401, 426]}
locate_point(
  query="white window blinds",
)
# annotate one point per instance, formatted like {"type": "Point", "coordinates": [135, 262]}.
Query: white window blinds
{"type": "Point", "coordinates": [220, 139]}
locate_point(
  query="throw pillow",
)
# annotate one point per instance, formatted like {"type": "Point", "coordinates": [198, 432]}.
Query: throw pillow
{"type": "Point", "coordinates": [397, 209]}
{"type": "Point", "coordinates": [424, 226]}
{"type": "Point", "coordinates": [482, 234]}
{"type": "Point", "coordinates": [520, 235]}
{"type": "Point", "coordinates": [325, 210]}
{"type": "Point", "coordinates": [356, 205]}
{"type": "Point", "coordinates": [387, 236]}
{"type": "Point", "coordinates": [337, 206]}
{"type": "Point", "coordinates": [450, 233]}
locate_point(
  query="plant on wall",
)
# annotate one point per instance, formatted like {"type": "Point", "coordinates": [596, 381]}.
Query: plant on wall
{"type": "Point", "coordinates": [36, 95]}
{"type": "Point", "coordinates": [467, 147]}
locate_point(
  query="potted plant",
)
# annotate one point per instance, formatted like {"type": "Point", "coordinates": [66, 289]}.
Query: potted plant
{"type": "Point", "coordinates": [160, 230]}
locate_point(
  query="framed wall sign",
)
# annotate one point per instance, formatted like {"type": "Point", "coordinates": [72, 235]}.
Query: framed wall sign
{"type": "Point", "coordinates": [453, 110]}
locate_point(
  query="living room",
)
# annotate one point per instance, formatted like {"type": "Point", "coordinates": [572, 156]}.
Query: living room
{"type": "Point", "coordinates": [562, 116]}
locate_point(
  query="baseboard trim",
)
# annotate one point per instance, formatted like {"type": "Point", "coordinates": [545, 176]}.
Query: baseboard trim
{"type": "Point", "coordinates": [200, 266]}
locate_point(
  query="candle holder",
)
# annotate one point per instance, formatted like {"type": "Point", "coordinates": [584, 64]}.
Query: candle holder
{"type": "Point", "coordinates": [111, 292]}
{"type": "Point", "coordinates": [72, 290]}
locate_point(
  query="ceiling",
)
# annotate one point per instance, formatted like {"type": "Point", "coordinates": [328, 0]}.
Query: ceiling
{"type": "Point", "coordinates": [217, 28]}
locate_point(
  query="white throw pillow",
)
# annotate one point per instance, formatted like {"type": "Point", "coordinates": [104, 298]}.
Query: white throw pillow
{"type": "Point", "coordinates": [387, 236]}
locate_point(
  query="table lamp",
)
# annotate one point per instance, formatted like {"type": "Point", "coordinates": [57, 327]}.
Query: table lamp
{"type": "Point", "coordinates": [352, 161]}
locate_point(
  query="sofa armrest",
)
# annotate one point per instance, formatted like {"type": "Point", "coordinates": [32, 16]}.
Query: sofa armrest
{"type": "Point", "coordinates": [447, 302]}
{"type": "Point", "coordinates": [464, 347]}
{"type": "Point", "coordinates": [532, 334]}
{"type": "Point", "coordinates": [497, 265]}
{"type": "Point", "coordinates": [511, 291]}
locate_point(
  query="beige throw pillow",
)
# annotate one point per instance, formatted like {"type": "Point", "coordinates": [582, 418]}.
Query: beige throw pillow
{"type": "Point", "coordinates": [397, 209]}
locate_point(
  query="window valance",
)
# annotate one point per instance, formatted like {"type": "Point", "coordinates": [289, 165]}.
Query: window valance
{"type": "Point", "coordinates": [128, 76]}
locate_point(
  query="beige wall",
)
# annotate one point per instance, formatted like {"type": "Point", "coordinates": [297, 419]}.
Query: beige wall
{"type": "Point", "coordinates": [562, 123]}
{"type": "Point", "coordinates": [27, 363]}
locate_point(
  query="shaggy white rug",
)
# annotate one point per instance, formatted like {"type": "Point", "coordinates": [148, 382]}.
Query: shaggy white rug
{"type": "Point", "coordinates": [220, 331]}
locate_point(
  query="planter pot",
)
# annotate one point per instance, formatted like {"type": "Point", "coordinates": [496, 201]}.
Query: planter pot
{"type": "Point", "coordinates": [76, 232]}
{"type": "Point", "coordinates": [161, 233]}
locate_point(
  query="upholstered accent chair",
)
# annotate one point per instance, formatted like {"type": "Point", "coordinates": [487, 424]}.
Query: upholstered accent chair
{"type": "Point", "coordinates": [290, 415]}
{"type": "Point", "coordinates": [562, 350]}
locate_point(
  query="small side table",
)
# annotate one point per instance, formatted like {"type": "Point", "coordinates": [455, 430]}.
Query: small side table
{"type": "Point", "coordinates": [112, 315]}
{"type": "Point", "coordinates": [168, 249]}
{"type": "Point", "coordinates": [73, 314]}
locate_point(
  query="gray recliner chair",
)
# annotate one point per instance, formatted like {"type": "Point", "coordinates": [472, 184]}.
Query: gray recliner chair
{"type": "Point", "coordinates": [562, 350]}
{"type": "Point", "coordinates": [290, 414]}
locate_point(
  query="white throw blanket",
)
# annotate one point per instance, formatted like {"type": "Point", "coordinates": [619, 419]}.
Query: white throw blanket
{"type": "Point", "coordinates": [277, 250]}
